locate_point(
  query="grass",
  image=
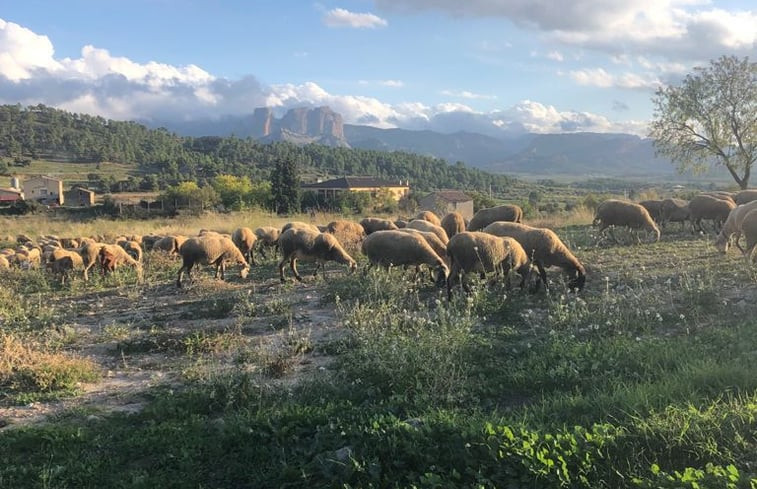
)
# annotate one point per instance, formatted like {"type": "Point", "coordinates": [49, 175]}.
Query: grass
{"type": "Point", "coordinates": [646, 379]}
{"type": "Point", "coordinates": [72, 171]}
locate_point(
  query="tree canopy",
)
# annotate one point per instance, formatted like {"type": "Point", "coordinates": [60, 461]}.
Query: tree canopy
{"type": "Point", "coordinates": [710, 118]}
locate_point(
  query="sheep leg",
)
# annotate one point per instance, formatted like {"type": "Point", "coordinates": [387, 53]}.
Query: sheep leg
{"type": "Point", "coordinates": [542, 278]}
{"type": "Point", "coordinates": [455, 273]}
{"type": "Point", "coordinates": [184, 267]}
{"type": "Point", "coordinates": [281, 269]}
{"type": "Point", "coordinates": [318, 266]}
{"type": "Point", "coordinates": [293, 266]}
{"type": "Point", "coordinates": [223, 270]}
{"type": "Point", "coordinates": [367, 267]}
{"type": "Point", "coordinates": [737, 238]}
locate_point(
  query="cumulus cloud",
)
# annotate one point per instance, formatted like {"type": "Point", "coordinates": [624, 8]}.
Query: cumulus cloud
{"type": "Point", "coordinates": [116, 87]}
{"type": "Point", "coordinates": [340, 17]}
{"type": "Point", "coordinates": [555, 56]}
{"type": "Point", "coordinates": [688, 29]}
{"type": "Point", "coordinates": [383, 83]}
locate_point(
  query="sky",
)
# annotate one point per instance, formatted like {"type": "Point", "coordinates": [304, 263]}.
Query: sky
{"type": "Point", "coordinates": [498, 67]}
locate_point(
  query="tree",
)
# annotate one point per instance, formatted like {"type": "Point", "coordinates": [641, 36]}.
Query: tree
{"type": "Point", "coordinates": [285, 186]}
{"type": "Point", "coordinates": [711, 117]}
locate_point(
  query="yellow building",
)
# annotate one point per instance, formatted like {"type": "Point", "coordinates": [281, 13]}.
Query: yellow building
{"type": "Point", "coordinates": [44, 189]}
{"type": "Point", "coordinates": [332, 188]}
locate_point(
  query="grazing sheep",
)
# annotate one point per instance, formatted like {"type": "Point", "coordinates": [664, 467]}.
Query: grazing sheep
{"type": "Point", "coordinates": [90, 254]}
{"type": "Point", "coordinates": [4, 263]}
{"type": "Point", "coordinates": [619, 213]}
{"type": "Point", "coordinates": [485, 253]}
{"type": "Point", "coordinates": [133, 248]}
{"type": "Point", "coordinates": [674, 210]}
{"type": "Point", "coordinates": [211, 250]}
{"type": "Point", "coordinates": [398, 248]}
{"type": "Point", "coordinates": [373, 224]}
{"type": "Point", "coordinates": [349, 233]}
{"type": "Point", "coordinates": [720, 195]}
{"type": "Point", "coordinates": [112, 256]}
{"type": "Point", "coordinates": [268, 237]}
{"type": "Point", "coordinates": [433, 241]}
{"type": "Point", "coordinates": [22, 238]}
{"type": "Point", "coordinates": [545, 249]}
{"type": "Point", "coordinates": [150, 240]}
{"type": "Point", "coordinates": [745, 196]}
{"type": "Point", "coordinates": [749, 228]}
{"type": "Point", "coordinates": [732, 228]}
{"type": "Point", "coordinates": [306, 245]}
{"type": "Point", "coordinates": [70, 243]}
{"type": "Point", "coordinates": [428, 216]}
{"type": "Point", "coordinates": [207, 233]}
{"type": "Point", "coordinates": [453, 223]}
{"type": "Point", "coordinates": [62, 268]}
{"type": "Point", "coordinates": [245, 240]}
{"type": "Point", "coordinates": [170, 244]}
{"type": "Point", "coordinates": [299, 225]}
{"type": "Point", "coordinates": [654, 208]}
{"type": "Point", "coordinates": [400, 223]}
{"type": "Point", "coordinates": [28, 257]}
{"type": "Point", "coordinates": [421, 225]}
{"type": "Point", "coordinates": [484, 217]}
{"type": "Point", "coordinates": [708, 207]}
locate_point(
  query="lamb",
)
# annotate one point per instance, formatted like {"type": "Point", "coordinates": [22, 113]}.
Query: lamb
{"type": "Point", "coordinates": [268, 237]}
{"type": "Point", "coordinates": [421, 225]}
{"type": "Point", "coordinates": [732, 227]}
{"type": "Point", "coordinates": [132, 247]}
{"type": "Point", "coordinates": [484, 217]}
{"type": "Point", "coordinates": [394, 247]}
{"type": "Point", "coordinates": [749, 228]}
{"type": "Point", "coordinates": [674, 210]}
{"type": "Point", "coordinates": [245, 240]}
{"type": "Point", "coordinates": [62, 262]}
{"type": "Point", "coordinates": [373, 224]}
{"type": "Point", "coordinates": [111, 256]}
{"type": "Point", "coordinates": [745, 196]}
{"type": "Point", "coordinates": [619, 213]}
{"type": "Point", "coordinates": [210, 250]}
{"type": "Point", "coordinates": [308, 245]}
{"type": "Point", "coordinates": [708, 207]}
{"type": "Point", "coordinates": [654, 208]}
{"type": "Point", "coordinates": [428, 216]}
{"type": "Point", "coordinates": [453, 223]}
{"type": "Point", "coordinates": [545, 249]}
{"type": "Point", "coordinates": [485, 253]}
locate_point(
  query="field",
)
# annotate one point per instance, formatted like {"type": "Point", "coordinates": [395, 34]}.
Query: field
{"type": "Point", "coordinates": [647, 378]}
{"type": "Point", "coordinates": [75, 171]}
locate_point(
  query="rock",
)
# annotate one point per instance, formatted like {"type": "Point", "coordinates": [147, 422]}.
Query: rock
{"type": "Point", "coordinates": [343, 454]}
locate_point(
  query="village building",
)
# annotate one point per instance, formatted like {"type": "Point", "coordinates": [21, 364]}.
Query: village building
{"type": "Point", "coordinates": [79, 197]}
{"type": "Point", "coordinates": [44, 189]}
{"type": "Point", "coordinates": [443, 202]}
{"type": "Point", "coordinates": [10, 195]}
{"type": "Point", "coordinates": [375, 186]}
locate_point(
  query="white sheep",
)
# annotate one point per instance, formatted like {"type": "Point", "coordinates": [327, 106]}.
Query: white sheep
{"type": "Point", "coordinates": [210, 251]}
{"type": "Point", "coordinates": [245, 240]}
{"type": "Point", "coordinates": [731, 230]}
{"type": "Point", "coordinates": [749, 229]}
{"type": "Point", "coordinates": [400, 248]}
{"type": "Point", "coordinates": [308, 245]}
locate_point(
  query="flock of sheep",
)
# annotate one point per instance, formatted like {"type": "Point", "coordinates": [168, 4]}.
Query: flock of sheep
{"type": "Point", "coordinates": [494, 242]}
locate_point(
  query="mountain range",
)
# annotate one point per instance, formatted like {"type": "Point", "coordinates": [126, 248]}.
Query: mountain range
{"type": "Point", "coordinates": [568, 154]}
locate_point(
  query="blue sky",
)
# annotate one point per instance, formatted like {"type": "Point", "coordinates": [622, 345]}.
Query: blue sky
{"type": "Point", "coordinates": [493, 66]}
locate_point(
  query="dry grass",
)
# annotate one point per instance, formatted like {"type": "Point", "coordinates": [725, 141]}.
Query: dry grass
{"type": "Point", "coordinates": [24, 368]}
{"type": "Point", "coordinates": [579, 216]}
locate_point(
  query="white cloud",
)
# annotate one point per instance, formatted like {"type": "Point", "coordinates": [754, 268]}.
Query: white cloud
{"type": "Point", "coordinates": [467, 94]}
{"type": "Point", "coordinates": [340, 17]}
{"type": "Point", "coordinates": [598, 77]}
{"type": "Point", "coordinates": [383, 83]}
{"type": "Point", "coordinates": [119, 88]}
{"type": "Point", "coordinates": [555, 56]}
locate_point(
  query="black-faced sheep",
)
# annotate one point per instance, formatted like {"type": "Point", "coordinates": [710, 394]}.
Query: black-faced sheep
{"type": "Point", "coordinates": [545, 249]}
{"type": "Point", "coordinates": [268, 237]}
{"type": "Point", "coordinates": [731, 230]}
{"type": "Point", "coordinates": [485, 253]}
{"type": "Point", "coordinates": [422, 225]}
{"type": "Point", "coordinates": [307, 245]}
{"type": "Point", "coordinates": [484, 217]}
{"type": "Point", "coordinates": [373, 224]}
{"type": "Point", "coordinates": [428, 216]}
{"type": "Point", "coordinates": [453, 223]}
{"type": "Point", "coordinates": [619, 213]}
{"type": "Point", "coordinates": [401, 248]}
{"type": "Point", "coordinates": [708, 207]}
{"type": "Point", "coordinates": [210, 251]}
{"type": "Point", "coordinates": [400, 223]}
{"type": "Point", "coordinates": [245, 240]}
{"type": "Point", "coordinates": [133, 248]}
{"type": "Point", "coordinates": [745, 196]}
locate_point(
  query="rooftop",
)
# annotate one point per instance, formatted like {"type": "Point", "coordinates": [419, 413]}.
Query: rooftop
{"type": "Point", "coordinates": [452, 195]}
{"type": "Point", "coordinates": [356, 182]}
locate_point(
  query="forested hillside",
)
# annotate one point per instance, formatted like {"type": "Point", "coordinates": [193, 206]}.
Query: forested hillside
{"type": "Point", "coordinates": [40, 132]}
